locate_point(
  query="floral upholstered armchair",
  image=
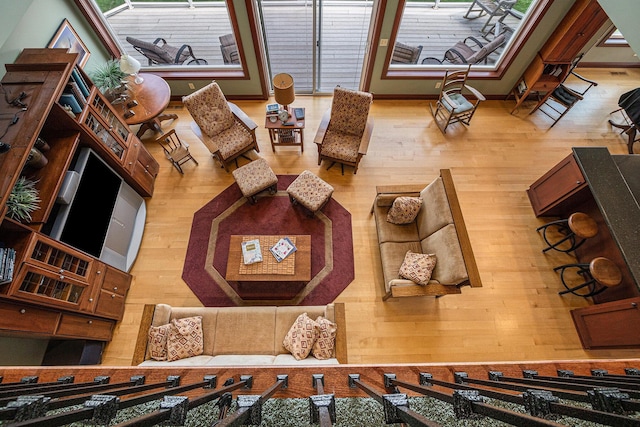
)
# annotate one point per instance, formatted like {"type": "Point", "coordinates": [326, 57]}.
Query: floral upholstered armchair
{"type": "Point", "coordinates": [222, 126]}
{"type": "Point", "coordinates": [345, 130]}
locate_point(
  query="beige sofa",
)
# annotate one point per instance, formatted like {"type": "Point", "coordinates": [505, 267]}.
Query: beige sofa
{"type": "Point", "coordinates": [439, 229]}
{"type": "Point", "coordinates": [241, 335]}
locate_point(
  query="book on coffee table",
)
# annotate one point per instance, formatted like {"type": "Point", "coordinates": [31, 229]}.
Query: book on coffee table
{"type": "Point", "coordinates": [283, 248]}
{"type": "Point", "coordinates": [251, 252]}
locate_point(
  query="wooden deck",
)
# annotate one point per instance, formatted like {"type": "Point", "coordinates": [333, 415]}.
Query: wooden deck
{"type": "Point", "coordinates": [344, 34]}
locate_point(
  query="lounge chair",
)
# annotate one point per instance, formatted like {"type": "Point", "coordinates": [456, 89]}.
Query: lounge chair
{"type": "Point", "coordinates": [159, 52]}
{"type": "Point", "coordinates": [477, 52]}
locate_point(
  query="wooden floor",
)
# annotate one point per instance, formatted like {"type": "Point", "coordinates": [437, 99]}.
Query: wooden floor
{"type": "Point", "coordinates": [344, 34]}
{"type": "Point", "coordinates": [516, 315]}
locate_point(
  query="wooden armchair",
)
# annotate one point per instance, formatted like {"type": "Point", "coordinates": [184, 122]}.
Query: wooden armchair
{"type": "Point", "coordinates": [222, 126]}
{"type": "Point", "coordinates": [345, 129]}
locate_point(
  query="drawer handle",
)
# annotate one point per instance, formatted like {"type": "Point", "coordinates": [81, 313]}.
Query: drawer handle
{"type": "Point", "coordinates": [115, 288]}
{"type": "Point", "coordinates": [98, 272]}
{"type": "Point", "coordinates": [90, 299]}
{"type": "Point", "coordinates": [23, 311]}
{"type": "Point", "coordinates": [634, 304]}
{"type": "Point", "coordinates": [90, 321]}
{"type": "Point", "coordinates": [113, 295]}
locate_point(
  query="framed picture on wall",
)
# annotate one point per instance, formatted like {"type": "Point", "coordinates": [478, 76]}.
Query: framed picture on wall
{"type": "Point", "coordinates": [66, 37]}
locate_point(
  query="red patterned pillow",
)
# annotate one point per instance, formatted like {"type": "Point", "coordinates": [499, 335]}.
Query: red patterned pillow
{"type": "Point", "coordinates": [418, 267]}
{"type": "Point", "coordinates": [157, 343]}
{"type": "Point", "coordinates": [404, 210]}
{"type": "Point", "coordinates": [301, 336]}
{"type": "Point", "coordinates": [324, 346]}
{"type": "Point", "coordinates": [185, 338]}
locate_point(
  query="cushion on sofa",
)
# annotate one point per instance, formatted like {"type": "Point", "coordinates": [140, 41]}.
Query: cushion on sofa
{"type": "Point", "coordinates": [417, 267]}
{"type": "Point", "coordinates": [435, 212]}
{"type": "Point", "coordinates": [157, 344]}
{"type": "Point", "coordinates": [392, 255]}
{"type": "Point", "coordinates": [209, 321]}
{"type": "Point", "coordinates": [404, 210]}
{"type": "Point", "coordinates": [388, 232]}
{"type": "Point", "coordinates": [230, 338]}
{"type": "Point", "coordinates": [301, 337]}
{"type": "Point", "coordinates": [324, 347]}
{"type": "Point", "coordinates": [185, 338]}
{"type": "Point", "coordinates": [450, 268]}
{"type": "Point", "coordinates": [288, 359]}
{"type": "Point", "coordinates": [201, 360]}
{"type": "Point", "coordinates": [287, 314]}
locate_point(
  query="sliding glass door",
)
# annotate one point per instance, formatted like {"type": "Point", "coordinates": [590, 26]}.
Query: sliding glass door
{"type": "Point", "coordinates": [321, 43]}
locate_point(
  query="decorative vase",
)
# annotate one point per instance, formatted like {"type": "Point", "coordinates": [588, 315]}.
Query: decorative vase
{"type": "Point", "coordinates": [36, 159]}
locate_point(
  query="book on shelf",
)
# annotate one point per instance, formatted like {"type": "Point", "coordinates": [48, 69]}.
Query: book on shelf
{"type": "Point", "coordinates": [7, 261]}
{"type": "Point", "coordinates": [76, 76]}
{"type": "Point", "coordinates": [71, 101]}
{"type": "Point", "coordinates": [74, 89]}
{"type": "Point", "coordinates": [283, 248]}
{"type": "Point", "coordinates": [251, 252]}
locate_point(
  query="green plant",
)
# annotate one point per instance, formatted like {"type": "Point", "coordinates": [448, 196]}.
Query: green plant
{"type": "Point", "coordinates": [23, 200]}
{"type": "Point", "coordinates": [108, 76]}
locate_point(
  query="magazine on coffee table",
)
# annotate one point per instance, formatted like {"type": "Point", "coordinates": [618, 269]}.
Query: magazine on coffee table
{"type": "Point", "coordinates": [251, 252]}
{"type": "Point", "coordinates": [283, 248]}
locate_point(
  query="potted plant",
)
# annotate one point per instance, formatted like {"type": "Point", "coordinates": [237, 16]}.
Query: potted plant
{"type": "Point", "coordinates": [109, 79]}
{"type": "Point", "coordinates": [23, 200]}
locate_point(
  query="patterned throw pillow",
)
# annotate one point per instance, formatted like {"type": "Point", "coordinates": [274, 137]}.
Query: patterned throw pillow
{"type": "Point", "coordinates": [185, 338]}
{"type": "Point", "coordinates": [325, 344]}
{"type": "Point", "coordinates": [301, 336]}
{"type": "Point", "coordinates": [404, 210]}
{"type": "Point", "coordinates": [418, 267]}
{"type": "Point", "coordinates": [157, 343]}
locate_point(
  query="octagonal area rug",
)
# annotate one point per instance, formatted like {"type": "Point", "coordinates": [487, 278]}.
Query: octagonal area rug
{"type": "Point", "coordinates": [231, 214]}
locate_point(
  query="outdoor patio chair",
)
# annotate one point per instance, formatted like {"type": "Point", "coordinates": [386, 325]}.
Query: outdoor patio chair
{"type": "Point", "coordinates": [452, 106]}
{"type": "Point", "coordinates": [405, 54]}
{"type": "Point", "coordinates": [222, 126]}
{"type": "Point", "coordinates": [229, 49]}
{"type": "Point", "coordinates": [478, 52]}
{"type": "Point", "coordinates": [159, 52]}
{"type": "Point", "coordinates": [492, 8]}
{"type": "Point", "coordinates": [345, 129]}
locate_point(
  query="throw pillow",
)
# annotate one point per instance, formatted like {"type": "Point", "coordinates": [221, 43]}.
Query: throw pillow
{"type": "Point", "coordinates": [324, 346]}
{"type": "Point", "coordinates": [418, 267]}
{"type": "Point", "coordinates": [185, 338]}
{"type": "Point", "coordinates": [157, 343]}
{"type": "Point", "coordinates": [404, 210]}
{"type": "Point", "coordinates": [301, 336]}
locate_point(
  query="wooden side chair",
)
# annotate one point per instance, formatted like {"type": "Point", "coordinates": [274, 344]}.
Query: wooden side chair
{"type": "Point", "coordinates": [222, 126]}
{"type": "Point", "coordinates": [175, 150]}
{"type": "Point", "coordinates": [345, 129]}
{"type": "Point", "coordinates": [453, 106]}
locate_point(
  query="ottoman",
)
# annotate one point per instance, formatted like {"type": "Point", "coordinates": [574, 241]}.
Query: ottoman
{"type": "Point", "coordinates": [310, 191]}
{"type": "Point", "coordinates": [255, 177]}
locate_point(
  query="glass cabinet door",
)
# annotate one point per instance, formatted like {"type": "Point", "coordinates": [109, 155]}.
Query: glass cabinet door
{"type": "Point", "coordinates": [121, 130]}
{"type": "Point", "coordinates": [104, 135]}
{"type": "Point", "coordinates": [47, 287]}
{"type": "Point", "coordinates": [62, 261]}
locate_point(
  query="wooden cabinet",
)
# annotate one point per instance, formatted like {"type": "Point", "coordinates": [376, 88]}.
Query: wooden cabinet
{"type": "Point", "coordinates": [609, 325]}
{"type": "Point", "coordinates": [56, 289]}
{"type": "Point", "coordinates": [552, 64]}
{"type": "Point", "coordinates": [564, 181]}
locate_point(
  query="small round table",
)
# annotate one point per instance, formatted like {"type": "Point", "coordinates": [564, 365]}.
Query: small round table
{"type": "Point", "coordinates": [153, 96]}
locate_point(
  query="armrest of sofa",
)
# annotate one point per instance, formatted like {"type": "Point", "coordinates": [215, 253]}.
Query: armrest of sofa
{"type": "Point", "coordinates": [140, 350]}
{"type": "Point", "coordinates": [341, 336]}
{"type": "Point", "coordinates": [386, 194]}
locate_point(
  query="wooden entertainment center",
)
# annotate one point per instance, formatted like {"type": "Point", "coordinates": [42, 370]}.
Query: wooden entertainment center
{"type": "Point", "coordinates": [57, 290]}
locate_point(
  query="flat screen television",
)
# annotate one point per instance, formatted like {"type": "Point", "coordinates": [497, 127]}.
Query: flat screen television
{"type": "Point", "coordinates": [98, 212]}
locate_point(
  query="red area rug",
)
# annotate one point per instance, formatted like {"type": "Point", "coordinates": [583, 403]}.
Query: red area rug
{"type": "Point", "coordinates": [231, 214]}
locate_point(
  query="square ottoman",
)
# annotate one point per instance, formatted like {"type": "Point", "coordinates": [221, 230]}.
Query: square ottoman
{"type": "Point", "coordinates": [255, 177]}
{"type": "Point", "coordinates": [310, 191]}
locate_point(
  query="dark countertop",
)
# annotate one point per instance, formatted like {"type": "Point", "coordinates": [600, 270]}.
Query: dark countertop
{"type": "Point", "coordinates": [615, 184]}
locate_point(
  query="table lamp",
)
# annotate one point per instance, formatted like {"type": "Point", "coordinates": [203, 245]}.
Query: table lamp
{"type": "Point", "coordinates": [130, 65]}
{"type": "Point", "coordinates": [283, 90]}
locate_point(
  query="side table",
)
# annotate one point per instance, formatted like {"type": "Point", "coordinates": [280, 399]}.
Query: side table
{"type": "Point", "coordinates": [153, 96]}
{"type": "Point", "coordinates": [282, 134]}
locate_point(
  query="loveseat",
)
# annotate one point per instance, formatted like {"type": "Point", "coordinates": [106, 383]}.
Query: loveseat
{"type": "Point", "coordinates": [233, 336]}
{"type": "Point", "coordinates": [437, 229]}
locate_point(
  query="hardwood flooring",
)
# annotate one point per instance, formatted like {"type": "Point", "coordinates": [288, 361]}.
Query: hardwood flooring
{"type": "Point", "coordinates": [517, 315]}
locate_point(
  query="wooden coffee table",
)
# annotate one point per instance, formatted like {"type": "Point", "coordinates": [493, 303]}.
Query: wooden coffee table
{"type": "Point", "coordinates": [295, 268]}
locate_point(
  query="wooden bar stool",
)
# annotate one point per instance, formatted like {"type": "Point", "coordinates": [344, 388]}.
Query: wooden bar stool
{"type": "Point", "coordinates": [577, 228]}
{"type": "Point", "coordinates": [600, 274]}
